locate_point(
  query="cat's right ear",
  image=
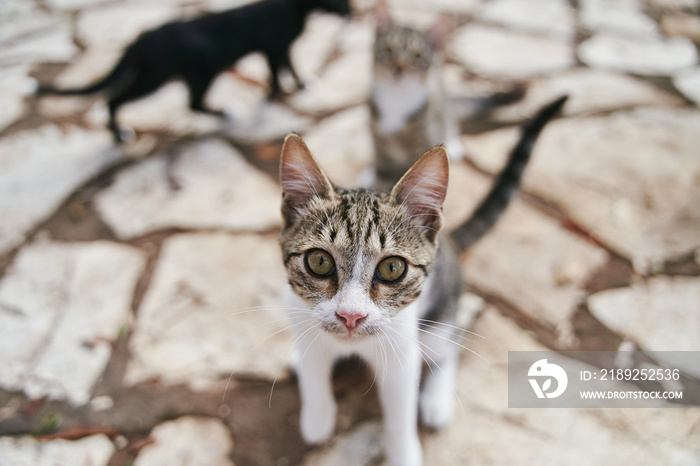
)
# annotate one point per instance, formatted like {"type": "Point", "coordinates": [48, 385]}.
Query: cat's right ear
{"type": "Point", "coordinates": [423, 188]}
{"type": "Point", "coordinates": [301, 177]}
{"type": "Point", "coordinates": [382, 16]}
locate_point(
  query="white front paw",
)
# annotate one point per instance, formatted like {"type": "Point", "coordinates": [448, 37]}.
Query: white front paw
{"type": "Point", "coordinates": [436, 408]}
{"type": "Point", "coordinates": [318, 421]}
{"type": "Point", "coordinates": [409, 453]}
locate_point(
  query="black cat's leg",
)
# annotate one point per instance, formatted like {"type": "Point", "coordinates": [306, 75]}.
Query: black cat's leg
{"type": "Point", "coordinates": [275, 64]}
{"type": "Point", "coordinates": [140, 87]}
{"type": "Point", "coordinates": [297, 80]}
{"type": "Point", "coordinates": [198, 84]}
{"type": "Point", "coordinates": [112, 124]}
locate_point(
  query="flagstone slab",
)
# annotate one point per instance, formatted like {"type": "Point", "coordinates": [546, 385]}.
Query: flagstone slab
{"type": "Point", "coordinates": [589, 91]}
{"type": "Point", "coordinates": [190, 440]}
{"type": "Point", "coordinates": [496, 52]}
{"type": "Point", "coordinates": [117, 25]}
{"type": "Point", "coordinates": [12, 89]}
{"type": "Point", "coordinates": [61, 305]}
{"type": "Point", "coordinates": [625, 17]}
{"type": "Point", "coordinates": [206, 184]}
{"type": "Point", "coordinates": [40, 168]}
{"type": "Point", "coordinates": [213, 310]}
{"type": "Point", "coordinates": [688, 82]}
{"type": "Point", "coordinates": [630, 178]}
{"type": "Point", "coordinates": [343, 145]}
{"type": "Point", "coordinates": [529, 261]}
{"type": "Point", "coordinates": [95, 450]}
{"type": "Point", "coordinates": [661, 314]}
{"type": "Point", "coordinates": [646, 55]}
{"type": "Point", "coordinates": [36, 41]}
{"type": "Point", "coordinates": [550, 17]}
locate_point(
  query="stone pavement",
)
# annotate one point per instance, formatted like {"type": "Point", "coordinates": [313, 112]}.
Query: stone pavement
{"type": "Point", "coordinates": [140, 312]}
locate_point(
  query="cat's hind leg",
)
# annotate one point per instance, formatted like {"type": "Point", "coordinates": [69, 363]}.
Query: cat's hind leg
{"type": "Point", "coordinates": [198, 82]}
{"type": "Point", "coordinates": [141, 86]}
{"type": "Point", "coordinates": [437, 397]}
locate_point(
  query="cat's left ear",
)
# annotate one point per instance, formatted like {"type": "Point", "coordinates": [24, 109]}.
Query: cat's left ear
{"type": "Point", "coordinates": [441, 31]}
{"type": "Point", "coordinates": [301, 177]}
{"type": "Point", "coordinates": [423, 188]}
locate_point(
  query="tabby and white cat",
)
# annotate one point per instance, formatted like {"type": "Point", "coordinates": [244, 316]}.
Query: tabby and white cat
{"type": "Point", "coordinates": [368, 275]}
{"type": "Point", "coordinates": [409, 108]}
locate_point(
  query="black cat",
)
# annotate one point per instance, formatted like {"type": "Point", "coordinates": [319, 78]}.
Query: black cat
{"type": "Point", "coordinates": [197, 50]}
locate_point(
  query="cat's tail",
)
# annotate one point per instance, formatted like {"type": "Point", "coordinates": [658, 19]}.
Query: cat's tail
{"type": "Point", "coordinates": [507, 183]}
{"type": "Point", "coordinates": [118, 73]}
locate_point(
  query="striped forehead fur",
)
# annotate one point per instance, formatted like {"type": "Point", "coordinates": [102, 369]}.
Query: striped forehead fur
{"type": "Point", "coordinates": [356, 218]}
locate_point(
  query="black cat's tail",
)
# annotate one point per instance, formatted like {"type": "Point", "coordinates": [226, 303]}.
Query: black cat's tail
{"type": "Point", "coordinates": [507, 183]}
{"type": "Point", "coordinates": [117, 73]}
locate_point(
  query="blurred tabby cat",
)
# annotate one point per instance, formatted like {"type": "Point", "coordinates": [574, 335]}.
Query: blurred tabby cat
{"type": "Point", "coordinates": [410, 110]}
{"type": "Point", "coordinates": [368, 275]}
{"type": "Point", "coordinates": [197, 50]}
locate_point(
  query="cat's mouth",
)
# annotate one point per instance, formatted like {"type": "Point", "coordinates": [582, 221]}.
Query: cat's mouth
{"type": "Point", "coordinates": [346, 334]}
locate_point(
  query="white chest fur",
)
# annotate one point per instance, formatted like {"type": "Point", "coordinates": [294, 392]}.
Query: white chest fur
{"type": "Point", "coordinates": [397, 99]}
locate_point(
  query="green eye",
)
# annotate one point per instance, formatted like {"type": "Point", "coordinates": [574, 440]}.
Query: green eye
{"type": "Point", "coordinates": [391, 269]}
{"type": "Point", "coordinates": [320, 263]}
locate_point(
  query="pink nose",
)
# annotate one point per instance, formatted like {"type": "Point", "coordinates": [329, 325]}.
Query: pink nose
{"type": "Point", "coordinates": [349, 319]}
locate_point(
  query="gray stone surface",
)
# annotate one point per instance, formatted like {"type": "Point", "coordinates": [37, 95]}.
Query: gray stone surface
{"type": "Point", "coordinates": [531, 262]}
{"type": "Point", "coordinates": [453, 6]}
{"type": "Point", "coordinates": [616, 176]}
{"type": "Point", "coordinates": [60, 306]}
{"type": "Point", "coordinates": [39, 169]}
{"type": "Point", "coordinates": [550, 17]}
{"type": "Point", "coordinates": [167, 109]}
{"type": "Point", "coordinates": [214, 188]}
{"type": "Point", "coordinates": [73, 4]}
{"type": "Point", "coordinates": [95, 450]}
{"type": "Point", "coordinates": [28, 36]}
{"type": "Point", "coordinates": [12, 87]}
{"type": "Point", "coordinates": [465, 191]}
{"type": "Point", "coordinates": [91, 66]}
{"type": "Point", "coordinates": [117, 25]}
{"type": "Point", "coordinates": [343, 163]}
{"type": "Point", "coordinates": [500, 53]}
{"type": "Point", "coordinates": [362, 445]}
{"type": "Point", "coordinates": [662, 314]}
{"type": "Point", "coordinates": [589, 91]}
{"type": "Point", "coordinates": [313, 49]}
{"type": "Point", "coordinates": [266, 122]}
{"type": "Point", "coordinates": [624, 17]}
{"type": "Point", "coordinates": [213, 309]}
{"type": "Point", "coordinates": [646, 56]}
{"type": "Point", "coordinates": [191, 441]}
{"type": "Point", "coordinates": [683, 25]}
{"type": "Point", "coordinates": [688, 82]}
{"type": "Point", "coordinates": [333, 87]}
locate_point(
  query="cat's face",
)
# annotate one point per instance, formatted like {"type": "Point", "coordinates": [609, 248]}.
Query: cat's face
{"type": "Point", "coordinates": [401, 50]}
{"type": "Point", "coordinates": [404, 51]}
{"type": "Point", "coordinates": [357, 258]}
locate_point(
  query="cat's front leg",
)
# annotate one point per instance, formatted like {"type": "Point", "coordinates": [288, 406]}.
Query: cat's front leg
{"type": "Point", "coordinates": [398, 377]}
{"type": "Point", "coordinates": [318, 407]}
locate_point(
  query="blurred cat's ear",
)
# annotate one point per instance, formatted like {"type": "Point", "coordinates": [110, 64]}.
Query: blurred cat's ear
{"type": "Point", "coordinates": [423, 188]}
{"type": "Point", "coordinates": [441, 31]}
{"type": "Point", "coordinates": [382, 16]}
{"type": "Point", "coordinates": [301, 177]}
